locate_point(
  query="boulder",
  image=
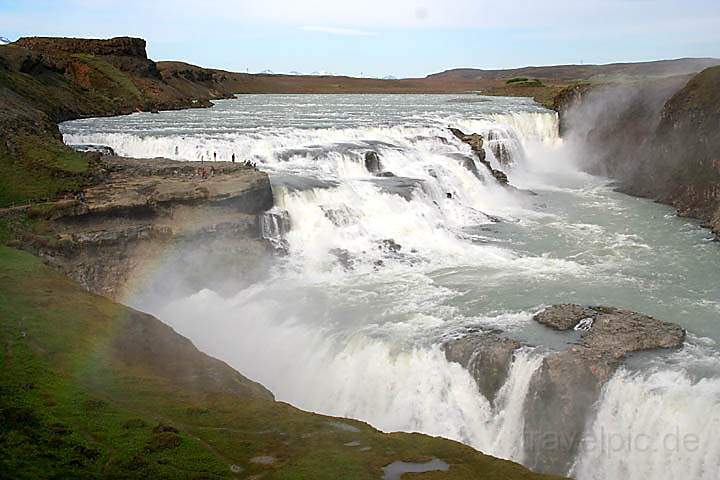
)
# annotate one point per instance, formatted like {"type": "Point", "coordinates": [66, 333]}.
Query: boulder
{"type": "Point", "coordinates": [390, 245]}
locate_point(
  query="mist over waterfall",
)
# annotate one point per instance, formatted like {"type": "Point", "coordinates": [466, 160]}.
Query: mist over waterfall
{"type": "Point", "coordinates": [390, 246]}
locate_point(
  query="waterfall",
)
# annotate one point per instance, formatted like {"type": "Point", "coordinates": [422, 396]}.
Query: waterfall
{"type": "Point", "coordinates": [659, 425]}
{"type": "Point", "coordinates": [367, 374]}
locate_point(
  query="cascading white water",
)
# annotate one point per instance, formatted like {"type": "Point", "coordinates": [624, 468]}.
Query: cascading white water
{"type": "Point", "coordinates": [365, 374]}
{"type": "Point", "coordinates": [381, 269]}
{"type": "Point", "coordinates": [661, 425]}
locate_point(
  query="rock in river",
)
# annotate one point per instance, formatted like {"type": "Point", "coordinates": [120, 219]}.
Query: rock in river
{"type": "Point", "coordinates": [568, 383]}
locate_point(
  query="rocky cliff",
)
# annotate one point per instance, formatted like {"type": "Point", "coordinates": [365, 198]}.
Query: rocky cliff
{"type": "Point", "coordinates": [659, 139]}
{"type": "Point", "coordinates": [146, 216]}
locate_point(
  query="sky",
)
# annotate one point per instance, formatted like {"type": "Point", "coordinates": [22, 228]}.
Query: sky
{"type": "Point", "coordinates": [400, 38]}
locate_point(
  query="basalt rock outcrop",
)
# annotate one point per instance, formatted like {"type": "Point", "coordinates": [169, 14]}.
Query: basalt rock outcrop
{"type": "Point", "coordinates": [567, 384]}
{"type": "Point", "coordinates": [147, 213]}
{"type": "Point", "coordinates": [125, 53]}
{"type": "Point", "coordinates": [475, 141]}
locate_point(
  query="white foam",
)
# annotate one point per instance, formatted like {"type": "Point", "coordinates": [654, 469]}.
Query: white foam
{"type": "Point", "coordinates": [662, 425]}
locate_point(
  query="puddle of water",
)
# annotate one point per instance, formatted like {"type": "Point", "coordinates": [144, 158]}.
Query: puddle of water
{"type": "Point", "coordinates": [263, 460]}
{"type": "Point", "coordinates": [344, 426]}
{"type": "Point", "coordinates": [396, 469]}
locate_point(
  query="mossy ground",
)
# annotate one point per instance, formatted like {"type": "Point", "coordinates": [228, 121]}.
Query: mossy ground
{"type": "Point", "coordinates": [71, 408]}
{"type": "Point", "coordinates": [39, 168]}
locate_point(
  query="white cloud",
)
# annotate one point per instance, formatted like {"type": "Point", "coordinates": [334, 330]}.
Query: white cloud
{"type": "Point", "coordinates": [339, 31]}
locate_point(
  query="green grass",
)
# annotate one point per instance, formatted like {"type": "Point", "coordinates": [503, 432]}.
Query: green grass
{"type": "Point", "coordinates": [76, 402]}
{"type": "Point", "coordinates": [39, 168]}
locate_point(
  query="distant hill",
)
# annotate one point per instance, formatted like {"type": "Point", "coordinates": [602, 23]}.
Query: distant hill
{"type": "Point", "coordinates": [569, 73]}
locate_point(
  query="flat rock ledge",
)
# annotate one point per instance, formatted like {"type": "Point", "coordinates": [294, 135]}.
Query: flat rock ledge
{"type": "Point", "coordinates": [564, 389]}
{"type": "Point", "coordinates": [143, 212]}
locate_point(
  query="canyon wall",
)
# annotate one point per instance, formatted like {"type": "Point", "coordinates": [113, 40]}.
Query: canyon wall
{"type": "Point", "coordinates": [659, 139]}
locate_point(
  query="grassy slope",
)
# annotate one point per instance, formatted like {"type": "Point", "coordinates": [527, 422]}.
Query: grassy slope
{"type": "Point", "coordinates": [39, 168]}
{"type": "Point", "coordinates": [85, 382]}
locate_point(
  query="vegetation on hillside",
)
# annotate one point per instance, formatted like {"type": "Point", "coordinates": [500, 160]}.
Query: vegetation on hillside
{"type": "Point", "coordinates": [525, 82]}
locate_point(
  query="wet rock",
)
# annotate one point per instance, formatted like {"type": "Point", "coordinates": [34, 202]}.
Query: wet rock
{"type": "Point", "coordinates": [615, 332]}
{"type": "Point", "coordinates": [103, 150]}
{"type": "Point", "coordinates": [567, 384]}
{"type": "Point", "coordinates": [402, 186]}
{"type": "Point", "coordinates": [390, 245]}
{"type": "Point", "coordinates": [372, 162]}
{"type": "Point", "coordinates": [385, 174]}
{"type": "Point", "coordinates": [146, 209]}
{"type": "Point", "coordinates": [344, 258]}
{"type": "Point", "coordinates": [487, 356]}
{"type": "Point", "coordinates": [341, 216]}
{"type": "Point", "coordinates": [475, 141]}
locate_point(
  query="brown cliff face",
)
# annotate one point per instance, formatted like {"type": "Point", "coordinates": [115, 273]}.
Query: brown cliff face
{"type": "Point", "coordinates": [124, 53]}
